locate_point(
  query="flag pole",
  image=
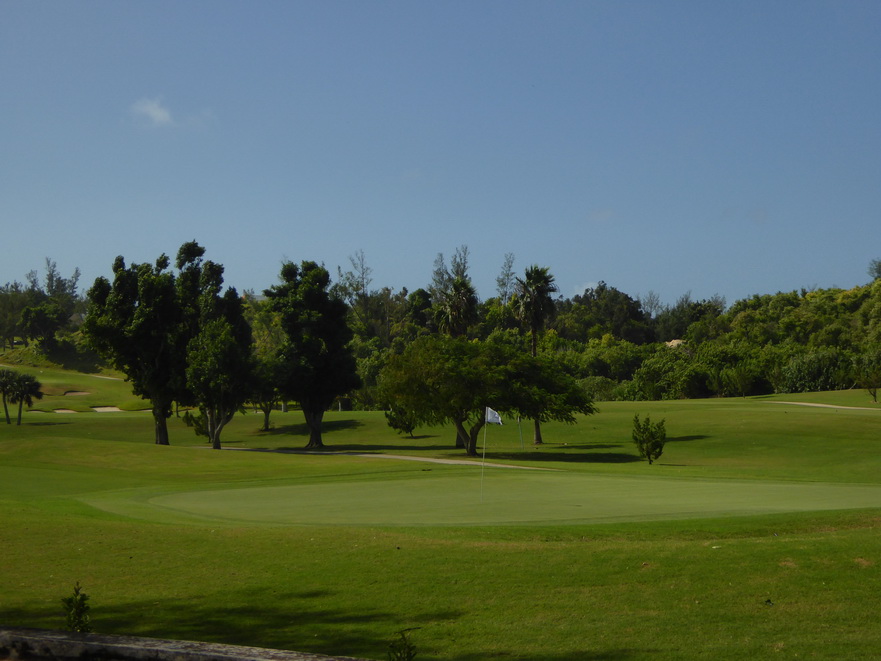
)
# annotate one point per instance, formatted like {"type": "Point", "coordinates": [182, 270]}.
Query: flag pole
{"type": "Point", "coordinates": [489, 417]}
{"type": "Point", "coordinates": [483, 463]}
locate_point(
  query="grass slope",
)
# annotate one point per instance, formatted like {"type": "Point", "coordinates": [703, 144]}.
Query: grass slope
{"type": "Point", "coordinates": [755, 535]}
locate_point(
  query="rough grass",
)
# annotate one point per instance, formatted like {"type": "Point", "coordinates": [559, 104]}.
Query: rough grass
{"type": "Point", "coordinates": [335, 553]}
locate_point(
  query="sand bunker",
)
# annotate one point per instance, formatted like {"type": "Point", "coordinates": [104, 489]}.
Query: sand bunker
{"type": "Point", "coordinates": [64, 411]}
{"type": "Point", "coordinates": [106, 409]}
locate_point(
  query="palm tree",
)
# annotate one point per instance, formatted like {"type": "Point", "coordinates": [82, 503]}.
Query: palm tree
{"type": "Point", "coordinates": [25, 389]}
{"type": "Point", "coordinates": [458, 309]}
{"type": "Point", "coordinates": [534, 307]}
{"type": "Point", "coordinates": [7, 380]}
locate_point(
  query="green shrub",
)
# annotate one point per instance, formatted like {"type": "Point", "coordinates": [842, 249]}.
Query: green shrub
{"type": "Point", "coordinates": [76, 607]}
{"type": "Point", "coordinates": [402, 649]}
{"type": "Point", "coordinates": [401, 421]}
{"type": "Point", "coordinates": [649, 437]}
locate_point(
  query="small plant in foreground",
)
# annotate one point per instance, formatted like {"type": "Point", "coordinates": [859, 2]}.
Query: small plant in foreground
{"type": "Point", "coordinates": [77, 608]}
{"type": "Point", "coordinates": [402, 649]}
{"type": "Point", "coordinates": [649, 437]}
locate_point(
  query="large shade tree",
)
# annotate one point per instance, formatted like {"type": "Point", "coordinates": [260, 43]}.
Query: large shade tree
{"type": "Point", "coordinates": [142, 323]}
{"type": "Point", "coordinates": [535, 305]}
{"type": "Point", "coordinates": [316, 362]}
{"type": "Point", "coordinates": [440, 380]}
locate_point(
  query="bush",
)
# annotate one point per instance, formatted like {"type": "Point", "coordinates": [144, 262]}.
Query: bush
{"type": "Point", "coordinates": [649, 437]}
{"type": "Point", "coordinates": [401, 421]}
{"type": "Point", "coordinates": [76, 607]}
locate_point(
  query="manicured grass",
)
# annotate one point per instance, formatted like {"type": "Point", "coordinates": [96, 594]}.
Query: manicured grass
{"type": "Point", "coordinates": [602, 557]}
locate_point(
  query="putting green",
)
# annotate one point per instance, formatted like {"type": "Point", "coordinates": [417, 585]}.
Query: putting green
{"type": "Point", "coordinates": [462, 496]}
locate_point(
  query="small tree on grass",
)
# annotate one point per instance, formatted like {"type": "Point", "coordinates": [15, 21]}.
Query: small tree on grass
{"type": "Point", "coordinates": [7, 382]}
{"type": "Point", "coordinates": [649, 437]}
{"type": "Point", "coordinates": [403, 422]}
{"type": "Point", "coordinates": [76, 607]}
{"type": "Point", "coordinates": [25, 389]}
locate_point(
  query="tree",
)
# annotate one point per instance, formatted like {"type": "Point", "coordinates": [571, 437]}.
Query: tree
{"type": "Point", "coordinates": [25, 389]}
{"type": "Point", "coordinates": [534, 306]}
{"type": "Point", "coordinates": [354, 288]}
{"type": "Point", "coordinates": [219, 369]}
{"type": "Point", "coordinates": [603, 310]}
{"type": "Point", "coordinates": [458, 309]}
{"type": "Point", "coordinates": [41, 322]}
{"type": "Point", "coordinates": [143, 321]}
{"type": "Point", "coordinates": [875, 269]}
{"type": "Point", "coordinates": [7, 382]}
{"type": "Point", "coordinates": [268, 339]}
{"type": "Point", "coordinates": [868, 372]}
{"type": "Point", "coordinates": [316, 358]}
{"type": "Point", "coordinates": [49, 308]}
{"type": "Point", "coordinates": [219, 355]}
{"type": "Point", "coordinates": [440, 379]}
{"type": "Point", "coordinates": [649, 438]}
{"type": "Point", "coordinates": [506, 279]}
{"type": "Point", "coordinates": [13, 300]}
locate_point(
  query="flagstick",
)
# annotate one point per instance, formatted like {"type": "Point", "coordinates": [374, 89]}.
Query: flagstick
{"type": "Point", "coordinates": [483, 463]}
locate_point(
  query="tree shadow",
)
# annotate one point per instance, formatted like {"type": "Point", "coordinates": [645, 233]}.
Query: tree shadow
{"type": "Point", "coordinates": [45, 424]}
{"type": "Point", "coordinates": [681, 439]}
{"type": "Point", "coordinates": [568, 457]}
{"type": "Point", "coordinates": [313, 621]}
{"type": "Point", "coordinates": [382, 449]}
{"type": "Point", "coordinates": [302, 429]}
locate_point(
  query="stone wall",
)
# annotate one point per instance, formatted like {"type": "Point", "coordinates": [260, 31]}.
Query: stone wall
{"type": "Point", "coordinates": [45, 644]}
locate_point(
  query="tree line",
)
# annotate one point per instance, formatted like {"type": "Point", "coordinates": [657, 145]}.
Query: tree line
{"type": "Point", "coordinates": [438, 353]}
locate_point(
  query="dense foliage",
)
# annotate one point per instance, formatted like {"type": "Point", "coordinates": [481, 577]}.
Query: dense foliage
{"type": "Point", "coordinates": [322, 343]}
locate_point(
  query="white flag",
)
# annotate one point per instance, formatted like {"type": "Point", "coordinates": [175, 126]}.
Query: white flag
{"type": "Point", "coordinates": [493, 417]}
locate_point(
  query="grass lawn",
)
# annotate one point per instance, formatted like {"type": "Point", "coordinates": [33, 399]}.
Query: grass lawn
{"type": "Point", "coordinates": [756, 533]}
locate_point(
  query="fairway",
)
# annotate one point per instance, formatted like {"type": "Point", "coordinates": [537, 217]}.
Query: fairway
{"type": "Point", "coordinates": [452, 496]}
{"type": "Point", "coordinates": [756, 535]}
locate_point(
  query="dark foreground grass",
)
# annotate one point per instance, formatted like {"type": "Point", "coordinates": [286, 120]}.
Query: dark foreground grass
{"type": "Point", "coordinates": [88, 498]}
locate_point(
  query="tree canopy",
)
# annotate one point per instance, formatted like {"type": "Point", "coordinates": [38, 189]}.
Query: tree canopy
{"type": "Point", "coordinates": [317, 363]}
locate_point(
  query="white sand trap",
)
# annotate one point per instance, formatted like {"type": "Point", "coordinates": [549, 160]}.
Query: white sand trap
{"type": "Point", "coordinates": [64, 411]}
{"type": "Point", "coordinates": [106, 409]}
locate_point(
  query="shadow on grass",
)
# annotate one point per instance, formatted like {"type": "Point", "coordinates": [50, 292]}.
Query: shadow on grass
{"type": "Point", "coordinates": [45, 424]}
{"type": "Point", "coordinates": [302, 429]}
{"type": "Point", "coordinates": [681, 439]}
{"type": "Point", "coordinates": [567, 457]}
{"type": "Point", "coordinates": [313, 621]}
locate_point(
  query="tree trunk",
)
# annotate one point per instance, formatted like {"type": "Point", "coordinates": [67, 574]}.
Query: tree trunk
{"type": "Point", "coordinates": [473, 436]}
{"type": "Point", "coordinates": [20, 404]}
{"type": "Point", "coordinates": [266, 407]}
{"type": "Point", "coordinates": [6, 411]}
{"type": "Point", "coordinates": [160, 425]}
{"type": "Point", "coordinates": [536, 439]}
{"type": "Point", "coordinates": [313, 421]}
{"type": "Point", "coordinates": [463, 439]}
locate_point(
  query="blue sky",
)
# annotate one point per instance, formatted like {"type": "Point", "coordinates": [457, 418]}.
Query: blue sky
{"type": "Point", "coordinates": [727, 148]}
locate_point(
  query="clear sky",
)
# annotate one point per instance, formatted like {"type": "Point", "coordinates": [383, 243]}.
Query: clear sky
{"type": "Point", "coordinates": [727, 148]}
